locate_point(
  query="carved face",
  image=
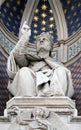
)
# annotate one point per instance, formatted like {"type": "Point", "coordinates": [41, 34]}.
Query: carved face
{"type": "Point", "coordinates": [38, 113]}
{"type": "Point", "coordinates": [43, 44]}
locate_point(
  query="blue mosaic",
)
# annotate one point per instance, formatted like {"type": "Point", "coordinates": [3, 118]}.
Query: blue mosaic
{"type": "Point", "coordinates": [72, 11]}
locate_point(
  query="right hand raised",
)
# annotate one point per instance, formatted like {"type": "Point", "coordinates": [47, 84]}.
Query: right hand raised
{"type": "Point", "coordinates": [23, 40]}
{"type": "Point", "coordinates": [26, 31]}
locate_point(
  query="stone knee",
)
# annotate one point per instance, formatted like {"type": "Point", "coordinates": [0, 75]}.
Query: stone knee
{"type": "Point", "coordinates": [26, 82]}
{"type": "Point", "coordinates": [25, 70]}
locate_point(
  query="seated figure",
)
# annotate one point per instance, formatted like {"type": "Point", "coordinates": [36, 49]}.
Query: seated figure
{"type": "Point", "coordinates": [37, 75]}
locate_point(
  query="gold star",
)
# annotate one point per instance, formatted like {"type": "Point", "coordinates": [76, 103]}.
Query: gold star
{"type": "Point", "coordinates": [78, 24]}
{"type": "Point", "coordinates": [72, 8]}
{"type": "Point", "coordinates": [14, 8]}
{"type": "Point", "coordinates": [35, 18]}
{"type": "Point", "coordinates": [68, 2]}
{"type": "Point", "coordinates": [7, 4]}
{"type": "Point", "coordinates": [68, 17]}
{"type": "Point", "coordinates": [44, 7]}
{"type": "Point", "coordinates": [3, 15]}
{"type": "Point", "coordinates": [65, 10]}
{"type": "Point", "coordinates": [5, 10]}
{"type": "Point", "coordinates": [35, 31]}
{"type": "Point", "coordinates": [16, 22]}
{"type": "Point", "coordinates": [11, 14]}
{"type": "Point", "coordinates": [43, 22]}
{"type": "Point", "coordinates": [36, 11]}
{"type": "Point", "coordinates": [79, 4]}
{"type": "Point", "coordinates": [43, 29]}
{"type": "Point", "coordinates": [51, 18]}
{"type": "Point", "coordinates": [9, 19]}
{"type": "Point", "coordinates": [51, 25]}
{"type": "Point", "coordinates": [77, 19]}
{"type": "Point", "coordinates": [35, 25]}
{"type": "Point", "coordinates": [51, 11]}
{"type": "Point", "coordinates": [71, 22]}
{"type": "Point", "coordinates": [14, 27]}
{"type": "Point", "coordinates": [18, 2]}
{"type": "Point", "coordinates": [75, 14]}
{"type": "Point", "coordinates": [43, 15]}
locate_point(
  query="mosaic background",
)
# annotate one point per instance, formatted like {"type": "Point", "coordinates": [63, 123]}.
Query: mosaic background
{"type": "Point", "coordinates": [11, 14]}
{"type": "Point", "coordinates": [4, 95]}
{"type": "Point", "coordinates": [43, 20]}
{"type": "Point", "coordinates": [72, 11]}
{"type": "Point", "coordinates": [75, 69]}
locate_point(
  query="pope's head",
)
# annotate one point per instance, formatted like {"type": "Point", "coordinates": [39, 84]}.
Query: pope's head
{"type": "Point", "coordinates": [44, 42]}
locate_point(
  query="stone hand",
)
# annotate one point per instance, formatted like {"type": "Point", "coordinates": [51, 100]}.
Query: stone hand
{"type": "Point", "coordinates": [23, 41]}
{"type": "Point", "coordinates": [26, 31]}
{"type": "Point", "coordinates": [41, 124]}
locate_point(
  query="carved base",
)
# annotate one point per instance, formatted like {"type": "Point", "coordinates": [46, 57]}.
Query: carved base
{"type": "Point", "coordinates": [46, 113]}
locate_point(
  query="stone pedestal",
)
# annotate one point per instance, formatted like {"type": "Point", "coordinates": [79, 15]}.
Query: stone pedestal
{"type": "Point", "coordinates": [59, 113]}
{"type": "Point", "coordinates": [60, 105]}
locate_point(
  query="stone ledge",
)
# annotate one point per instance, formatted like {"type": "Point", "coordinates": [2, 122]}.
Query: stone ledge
{"type": "Point", "coordinates": [61, 105]}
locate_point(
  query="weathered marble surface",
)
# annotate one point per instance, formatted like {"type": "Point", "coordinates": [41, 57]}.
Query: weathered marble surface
{"type": "Point", "coordinates": [39, 74]}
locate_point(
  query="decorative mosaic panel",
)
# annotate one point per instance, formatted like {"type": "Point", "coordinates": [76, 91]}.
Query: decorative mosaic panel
{"type": "Point", "coordinates": [6, 43]}
{"type": "Point", "coordinates": [3, 83]}
{"type": "Point", "coordinates": [74, 49]}
{"type": "Point", "coordinates": [75, 69]}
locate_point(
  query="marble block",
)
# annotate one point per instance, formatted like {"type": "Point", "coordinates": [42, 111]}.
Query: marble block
{"type": "Point", "coordinates": [60, 105]}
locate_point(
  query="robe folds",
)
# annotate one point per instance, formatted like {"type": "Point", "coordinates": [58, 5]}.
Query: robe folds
{"type": "Point", "coordinates": [31, 75]}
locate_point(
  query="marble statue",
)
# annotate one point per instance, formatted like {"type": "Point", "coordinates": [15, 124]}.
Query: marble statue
{"type": "Point", "coordinates": [37, 75]}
